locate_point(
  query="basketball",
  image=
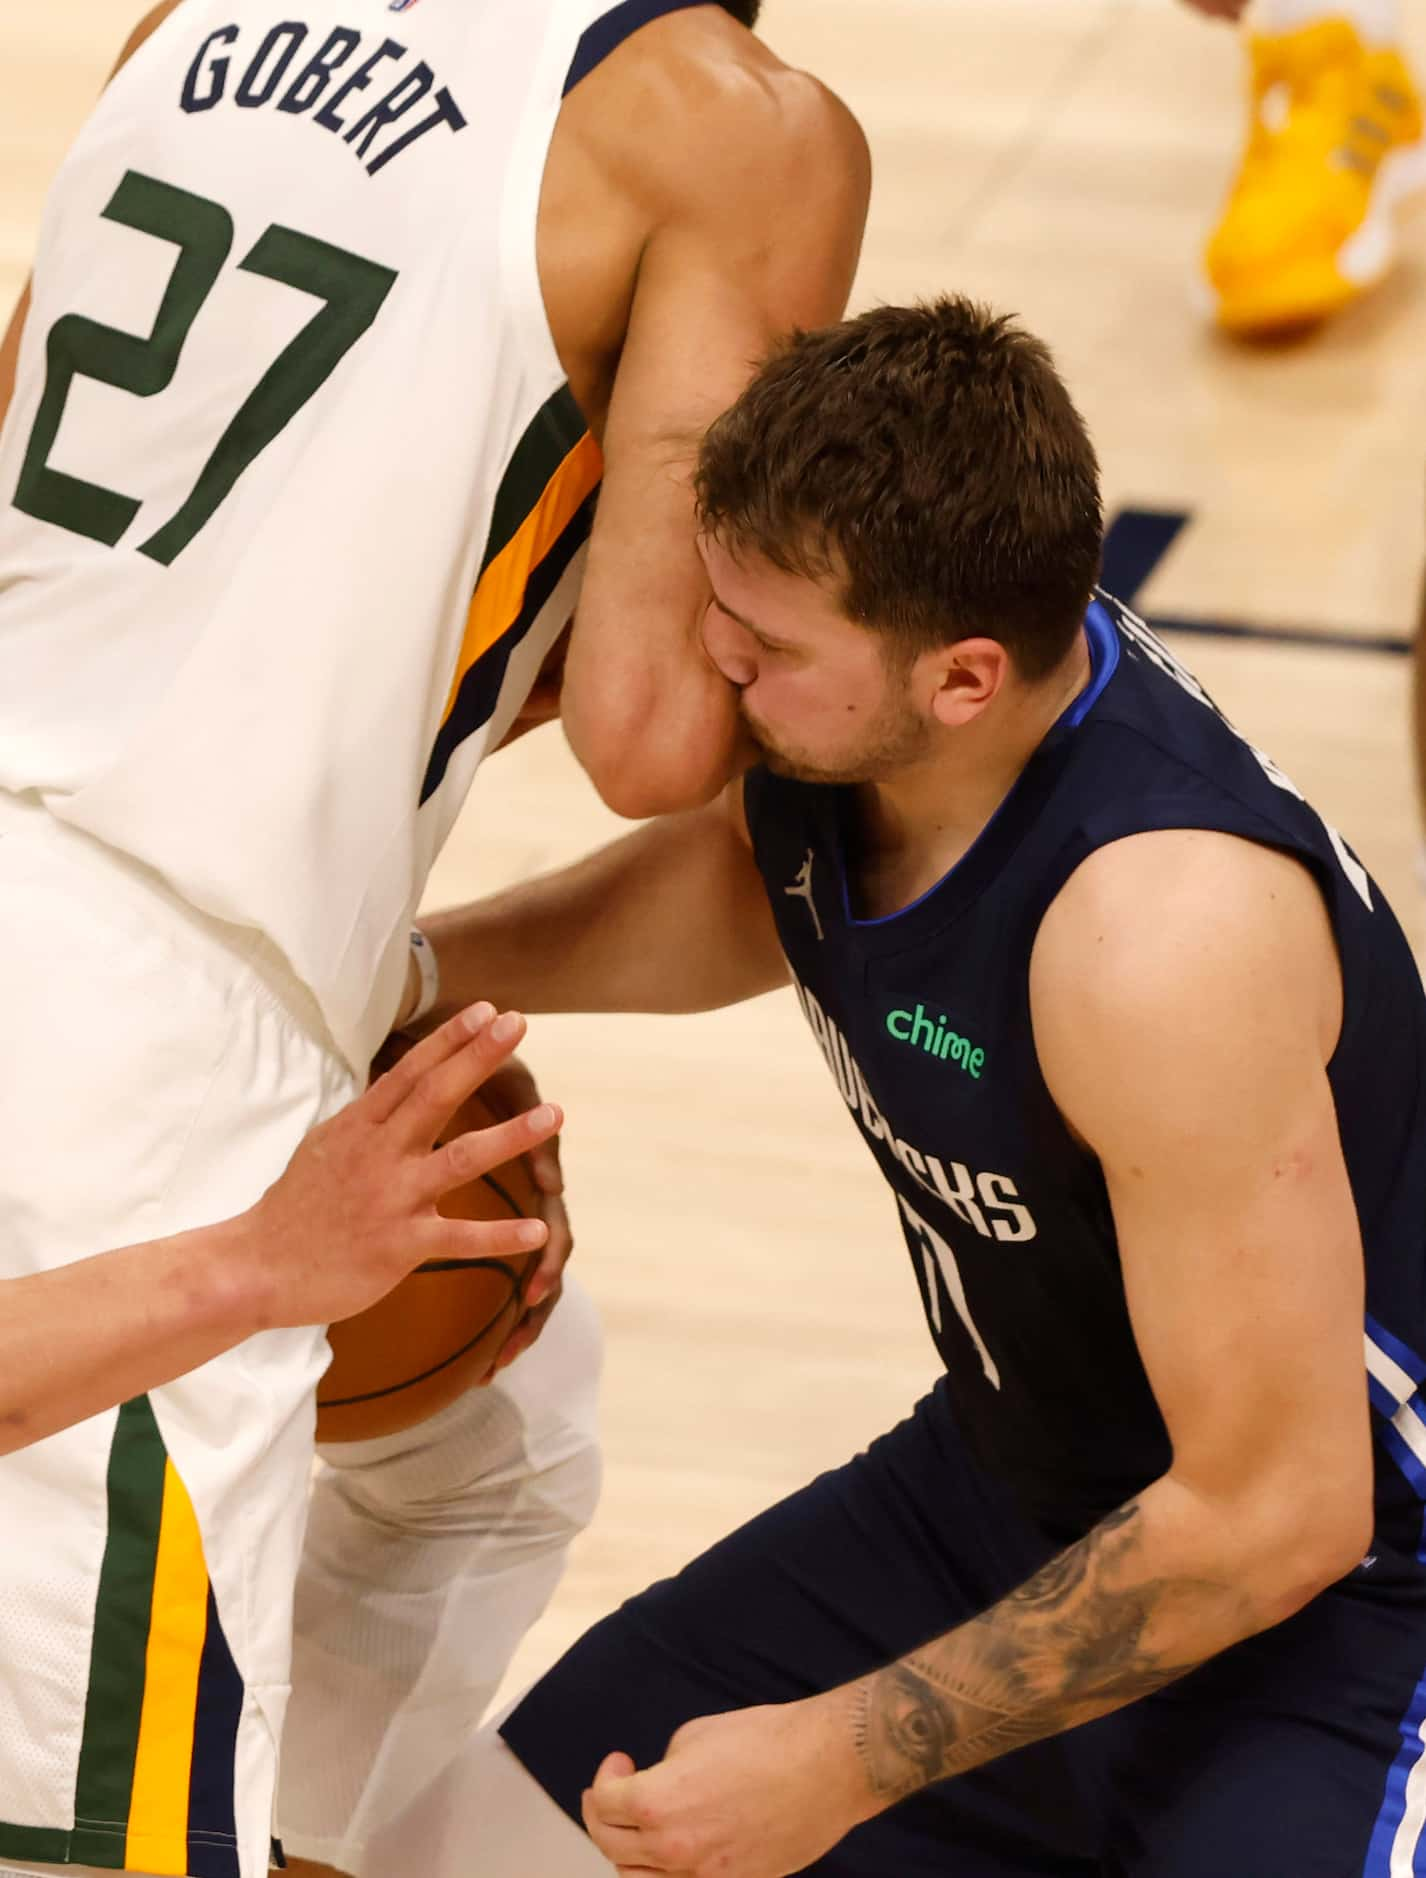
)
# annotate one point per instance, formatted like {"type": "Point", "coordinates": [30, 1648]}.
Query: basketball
{"type": "Point", "coordinates": [438, 1332]}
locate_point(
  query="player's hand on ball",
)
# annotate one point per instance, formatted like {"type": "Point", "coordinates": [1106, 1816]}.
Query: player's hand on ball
{"type": "Point", "coordinates": [511, 1091]}
{"type": "Point", "coordinates": [759, 1793]}
{"type": "Point", "coordinates": [355, 1210]}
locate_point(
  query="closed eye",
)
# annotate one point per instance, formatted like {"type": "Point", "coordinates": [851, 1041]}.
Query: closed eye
{"type": "Point", "coordinates": [759, 639]}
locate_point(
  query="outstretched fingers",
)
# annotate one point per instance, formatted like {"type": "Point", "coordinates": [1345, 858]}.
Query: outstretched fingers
{"type": "Point", "coordinates": [393, 1085]}
{"type": "Point", "coordinates": [444, 1238]}
{"type": "Point", "coordinates": [469, 1156]}
{"type": "Point", "coordinates": [431, 1088]}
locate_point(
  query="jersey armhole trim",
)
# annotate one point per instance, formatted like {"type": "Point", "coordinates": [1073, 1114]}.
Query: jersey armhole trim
{"type": "Point", "coordinates": [525, 318]}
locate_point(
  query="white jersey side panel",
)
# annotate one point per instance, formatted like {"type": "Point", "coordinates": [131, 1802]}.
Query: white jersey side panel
{"type": "Point", "coordinates": [287, 398]}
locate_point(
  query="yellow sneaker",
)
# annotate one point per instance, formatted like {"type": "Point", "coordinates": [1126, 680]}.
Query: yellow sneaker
{"type": "Point", "coordinates": [1336, 141]}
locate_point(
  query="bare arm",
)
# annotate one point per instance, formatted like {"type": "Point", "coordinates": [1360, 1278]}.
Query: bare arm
{"type": "Point", "coordinates": [1186, 999]}
{"type": "Point", "coordinates": [354, 1213]}
{"type": "Point", "coordinates": [81, 1339]}
{"type": "Point", "coordinates": [1188, 1044]}
{"type": "Point", "coordinates": [723, 269]}
{"type": "Point", "coordinates": [673, 917]}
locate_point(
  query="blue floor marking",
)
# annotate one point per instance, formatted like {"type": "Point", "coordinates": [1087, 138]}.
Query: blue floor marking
{"type": "Point", "coordinates": [1137, 542]}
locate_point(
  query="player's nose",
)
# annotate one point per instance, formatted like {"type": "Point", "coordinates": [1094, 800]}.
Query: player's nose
{"type": "Point", "coordinates": [729, 647]}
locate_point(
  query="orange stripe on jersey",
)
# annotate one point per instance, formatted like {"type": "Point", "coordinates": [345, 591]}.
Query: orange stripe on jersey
{"type": "Point", "coordinates": [501, 593]}
{"type": "Point", "coordinates": [157, 1839]}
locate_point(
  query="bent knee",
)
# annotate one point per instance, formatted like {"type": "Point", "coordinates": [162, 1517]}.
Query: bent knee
{"type": "Point", "coordinates": [520, 1456]}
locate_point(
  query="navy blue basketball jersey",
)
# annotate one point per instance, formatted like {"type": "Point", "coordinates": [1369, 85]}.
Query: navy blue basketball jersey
{"type": "Point", "coordinates": [924, 1018]}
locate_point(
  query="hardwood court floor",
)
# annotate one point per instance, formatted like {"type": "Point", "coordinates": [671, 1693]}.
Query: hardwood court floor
{"type": "Point", "coordinates": [1061, 158]}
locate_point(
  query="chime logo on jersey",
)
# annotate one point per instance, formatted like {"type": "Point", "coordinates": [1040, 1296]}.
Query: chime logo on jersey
{"type": "Point", "coordinates": [931, 1036]}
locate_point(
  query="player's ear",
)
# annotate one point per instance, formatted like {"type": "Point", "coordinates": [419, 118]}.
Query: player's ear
{"type": "Point", "coordinates": [962, 678]}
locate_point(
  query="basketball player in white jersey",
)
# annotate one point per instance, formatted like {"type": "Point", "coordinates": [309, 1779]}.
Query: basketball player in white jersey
{"type": "Point", "coordinates": [341, 313]}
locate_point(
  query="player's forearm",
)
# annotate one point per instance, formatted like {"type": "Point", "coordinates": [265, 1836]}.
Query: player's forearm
{"type": "Point", "coordinates": [671, 918]}
{"type": "Point", "coordinates": [1154, 1591]}
{"type": "Point", "coordinates": [88, 1336]}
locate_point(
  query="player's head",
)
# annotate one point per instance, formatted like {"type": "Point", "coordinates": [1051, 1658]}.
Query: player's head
{"type": "Point", "coordinates": [745, 10]}
{"type": "Point", "coordinates": [901, 519]}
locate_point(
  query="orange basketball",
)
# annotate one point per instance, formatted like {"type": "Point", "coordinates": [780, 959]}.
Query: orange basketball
{"type": "Point", "coordinates": [438, 1332]}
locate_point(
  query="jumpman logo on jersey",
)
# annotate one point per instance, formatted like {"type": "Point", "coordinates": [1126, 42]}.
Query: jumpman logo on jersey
{"type": "Point", "coordinates": [801, 889]}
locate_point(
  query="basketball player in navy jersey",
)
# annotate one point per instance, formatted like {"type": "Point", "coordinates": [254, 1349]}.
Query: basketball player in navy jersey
{"type": "Point", "coordinates": [1138, 1590]}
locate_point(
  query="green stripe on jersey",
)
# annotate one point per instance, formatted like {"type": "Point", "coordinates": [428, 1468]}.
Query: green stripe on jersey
{"type": "Point", "coordinates": [119, 1655]}
{"type": "Point", "coordinates": [552, 433]}
{"type": "Point", "coordinates": [42, 1845]}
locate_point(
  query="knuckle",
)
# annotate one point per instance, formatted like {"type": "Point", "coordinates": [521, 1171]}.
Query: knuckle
{"type": "Point", "coordinates": [401, 1074]}
{"type": "Point", "coordinates": [676, 1850]}
{"type": "Point", "coordinates": [461, 1157]}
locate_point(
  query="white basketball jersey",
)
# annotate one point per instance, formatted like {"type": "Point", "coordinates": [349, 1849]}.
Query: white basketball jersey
{"type": "Point", "coordinates": [287, 399]}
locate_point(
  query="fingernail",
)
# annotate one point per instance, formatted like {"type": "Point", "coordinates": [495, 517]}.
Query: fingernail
{"type": "Point", "coordinates": [535, 1294]}
{"type": "Point", "coordinates": [477, 1017]}
{"type": "Point", "coordinates": [541, 1118]}
{"type": "Point", "coordinates": [507, 1026]}
{"type": "Point", "coordinates": [531, 1234]}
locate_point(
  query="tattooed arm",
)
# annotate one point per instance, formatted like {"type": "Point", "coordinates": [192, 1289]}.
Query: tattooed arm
{"type": "Point", "coordinates": [1186, 998]}
{"type": "Point", "coordinates": [1096, 1628]}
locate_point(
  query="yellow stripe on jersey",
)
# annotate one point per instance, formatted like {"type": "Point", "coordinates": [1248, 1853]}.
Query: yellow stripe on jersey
{"type": "Point", "coordinates": [500, 594]}
{"type": "Point", "coordinates": [158, 1812]}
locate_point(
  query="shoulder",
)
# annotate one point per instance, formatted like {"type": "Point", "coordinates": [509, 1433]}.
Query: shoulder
{"type": "Point", "coordinates": [694, 106]}
{"type": "Point", "coordinates": [1182, 943]}
{"type": "Point", "coordinates": [1155, 908]}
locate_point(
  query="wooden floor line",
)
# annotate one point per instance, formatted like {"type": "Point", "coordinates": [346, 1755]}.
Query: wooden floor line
{"type": "Point", "coordinates": [1325, 639]}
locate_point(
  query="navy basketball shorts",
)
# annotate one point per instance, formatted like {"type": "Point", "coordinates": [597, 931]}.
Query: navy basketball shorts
{"type": "Point", "coordinates": [1298, 1754]}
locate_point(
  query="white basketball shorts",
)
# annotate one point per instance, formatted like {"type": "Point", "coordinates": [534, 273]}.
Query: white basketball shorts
{"type": "Point", "coordinates": [159, 1070]}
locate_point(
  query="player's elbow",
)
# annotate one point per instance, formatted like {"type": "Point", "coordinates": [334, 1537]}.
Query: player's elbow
{"type": "Point", "coordinates": [640, 772]}
{"type": "Point", "coordinates": [655, 727]}
{"type": "Point", "coordinates": [1315, 1531]}
{"type": "Point", "coordinates": [1344, 1534]}
{"type": "Point", "coordinates": [639, 793]}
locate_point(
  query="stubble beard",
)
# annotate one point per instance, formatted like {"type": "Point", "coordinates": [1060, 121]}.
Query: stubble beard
{"type": "Point", "coordinates": [894, 741]}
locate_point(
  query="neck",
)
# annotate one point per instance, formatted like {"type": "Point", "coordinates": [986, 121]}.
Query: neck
{"type": "Point", "coordinates": [917, 824]}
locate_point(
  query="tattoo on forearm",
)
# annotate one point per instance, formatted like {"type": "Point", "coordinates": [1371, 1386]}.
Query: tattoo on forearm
{"type": "Point", "coordinates": [1068, 1645]}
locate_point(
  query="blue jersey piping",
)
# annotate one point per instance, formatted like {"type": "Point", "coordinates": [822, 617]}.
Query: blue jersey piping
{"type": "Point", "coordinates": [1103, 640]}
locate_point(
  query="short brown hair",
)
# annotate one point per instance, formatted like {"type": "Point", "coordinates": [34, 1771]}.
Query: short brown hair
{"type": "Point", "coordinates": [930, 460]}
